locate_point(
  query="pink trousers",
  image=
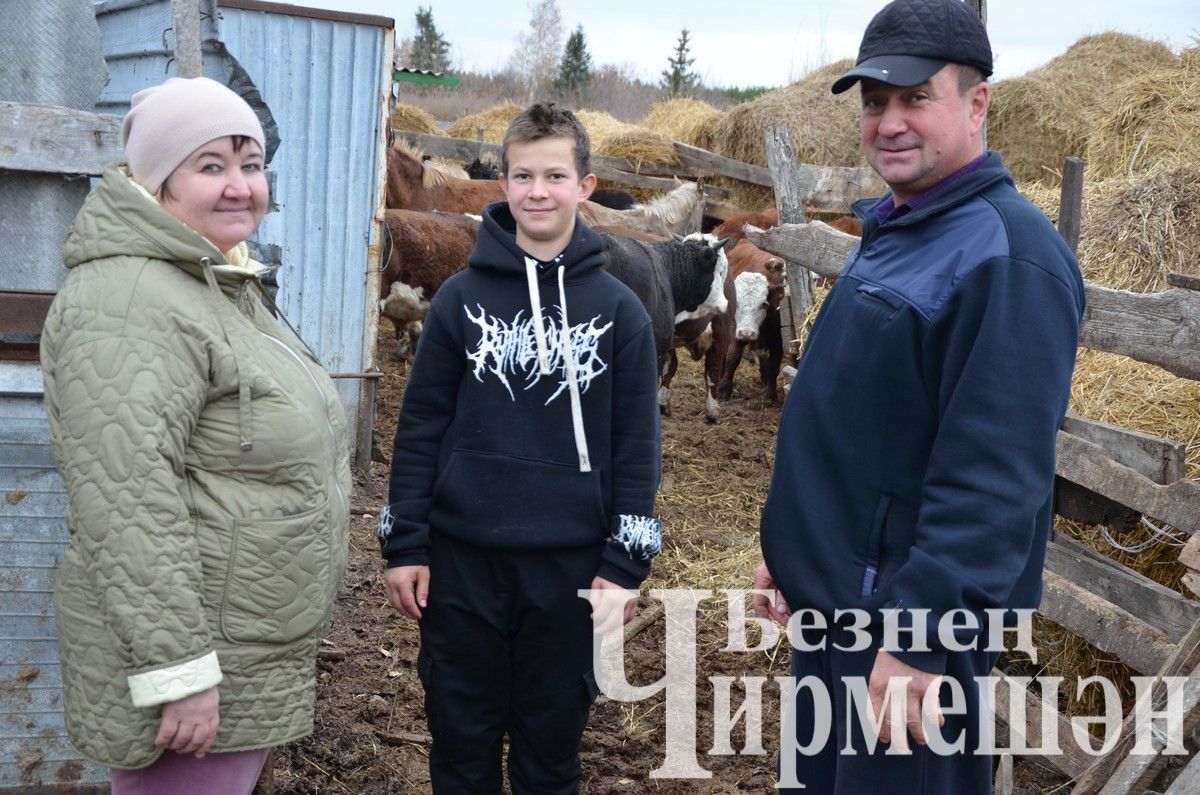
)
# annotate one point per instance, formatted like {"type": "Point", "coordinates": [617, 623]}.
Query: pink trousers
{"type": "Point", "coordinates": [183, 774]}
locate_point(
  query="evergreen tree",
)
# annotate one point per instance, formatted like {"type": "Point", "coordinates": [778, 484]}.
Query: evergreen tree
{"type": "Point", "coordinates": [679, 80]}
{"type": "Point", "coordinates": [430, 50]}
{"type": "Point", "coordinates": [575, 67]}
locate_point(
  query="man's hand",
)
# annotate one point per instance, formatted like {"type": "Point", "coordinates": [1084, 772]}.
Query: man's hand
{"type": "Point", "coordinates": [407, 589]}
{"type": "Point", "coordinates": [915, 699]}
{"type": "Point", "coordinates": [774, 607]}
{"type": "Point", "coordinates": [611, 604]}
{"type": "Point", "coordinates": [189, 725]}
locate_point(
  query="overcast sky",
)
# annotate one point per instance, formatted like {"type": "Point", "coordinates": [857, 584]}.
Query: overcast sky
{"type": "Point", "coordinates": [768, 42]}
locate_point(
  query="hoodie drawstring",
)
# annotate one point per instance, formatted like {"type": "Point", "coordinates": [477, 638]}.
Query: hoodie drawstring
{"type": "Point", "coordinates": [245, 416]}
{"type": "Point", "coordinates": [543, 352]}
{"type": "Point", "coordinates": [535, 302]}
{"type": "Point", "coordinates": [585, 464]}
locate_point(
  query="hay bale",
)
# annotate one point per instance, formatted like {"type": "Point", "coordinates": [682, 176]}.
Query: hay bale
{"type": "Point", "coordinates": [684, 119]}
{"type": "Point", "coordinates": [1151, 120]}
{"type": "Point", "coordinates": [615, 138]}
{"type": "Point", "coordinates": [1046, 115]}
{"type": "Point", "coordinates": [410, 117]}
{"type": "Point", "coordinates": [1135, 230]}
{"type": "Point", "coordinates": [493, 121]}
{"type": "Point", "coordinates": [823, 128]}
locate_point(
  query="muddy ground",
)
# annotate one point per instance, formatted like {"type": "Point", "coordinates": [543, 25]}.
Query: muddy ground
{"type": "Point", "coordinates": [370, 732]}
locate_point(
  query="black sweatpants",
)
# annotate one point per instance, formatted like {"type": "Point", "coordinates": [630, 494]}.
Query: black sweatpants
{"type": "Point", "coordinates": [922, 772]}
{"type": "Point", "coordinates": [506, 647]}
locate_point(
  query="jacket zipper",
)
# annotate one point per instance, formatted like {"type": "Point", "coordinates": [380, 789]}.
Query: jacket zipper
{"type": "Point", "coordinates": [875, 542]}
{"type": "Point", "coordinates": [320, 394]}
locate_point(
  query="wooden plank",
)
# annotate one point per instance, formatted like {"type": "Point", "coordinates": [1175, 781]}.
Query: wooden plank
{"type": "Point", "coordinates": [1103, 624]}
{"type": "Point", "coordinates": [1163, 608]}
{"type": "Point", "coordinates": [1161, 460]}
{"type": "Point", "coordinates": [704, 163]}
{"type": "Point", "coordinates": [1072, 760]}
{"type": "Point", "coordinates": [1137, 771]}
{"type": "Point", "coordinates": [57, 140]}
{"type": "Point", "coordinates": [1159, 328]}
{"type": "Point", "coordinates": [1188, 780]}
{"type": "Point", "coordinates": [1181, 662]}
{"type": "Point", "coordinates": [815, 245]}
{"type": "Point", "coordinates": [1070, 202]}
{"type": "Point", "coordinates": [1087, 464]}
{"type": "Point", "coordinates": [1074, 502]}
{"type": "Point", "coordinates": [1183, 281]}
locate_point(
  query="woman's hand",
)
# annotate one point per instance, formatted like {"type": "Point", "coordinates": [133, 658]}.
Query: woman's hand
{"type": "Point", "coordinates": [190, 724]}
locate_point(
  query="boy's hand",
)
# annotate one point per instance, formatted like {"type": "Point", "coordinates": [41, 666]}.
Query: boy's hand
{"type": "Point", "coordinates": [611, 604]}
{"type": "Point", "coordinates": [407, 589]}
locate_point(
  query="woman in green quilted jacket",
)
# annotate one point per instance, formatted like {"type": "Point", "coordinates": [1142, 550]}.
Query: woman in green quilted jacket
{"type": "Point", "coordinates": [204, 450]}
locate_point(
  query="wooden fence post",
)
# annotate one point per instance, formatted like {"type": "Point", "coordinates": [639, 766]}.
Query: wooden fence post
{"type": "Point", "coordinates": [188, 60]}
{"type": "Point", "coordinates": [792, 189]}
{"type": "Point", "coordinates": [1070, 202]}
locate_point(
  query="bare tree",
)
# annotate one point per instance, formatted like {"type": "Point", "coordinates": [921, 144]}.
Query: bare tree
{"type": "Point", "coordinates": [535, 59]}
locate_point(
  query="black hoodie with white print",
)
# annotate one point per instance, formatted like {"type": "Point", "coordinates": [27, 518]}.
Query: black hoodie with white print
{"type": "Point", "coordinates": [530, 416]}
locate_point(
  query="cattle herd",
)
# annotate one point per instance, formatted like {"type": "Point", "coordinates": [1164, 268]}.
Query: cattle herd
{"type": "Point", "coordinates": [716, 294]}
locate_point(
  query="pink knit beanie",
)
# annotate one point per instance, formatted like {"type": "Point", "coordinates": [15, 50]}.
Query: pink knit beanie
{"type": "Point", "coordinates": [167, 123]}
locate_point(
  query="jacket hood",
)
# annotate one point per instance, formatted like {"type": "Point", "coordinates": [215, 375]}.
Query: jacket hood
{"type": "Point", "coordinates": [120, 219]}
{"type": "Point", "coordinates": [496, 246]}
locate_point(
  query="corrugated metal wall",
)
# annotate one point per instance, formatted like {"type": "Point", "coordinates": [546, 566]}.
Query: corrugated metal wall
{"type": "Point", "coordinates": [327, 84]}
{"type": "Point", "coordinates": [34, 748]}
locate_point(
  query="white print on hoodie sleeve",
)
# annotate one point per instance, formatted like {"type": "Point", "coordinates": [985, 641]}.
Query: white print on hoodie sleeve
{"type": "Point", "coordinates": [510, 349]}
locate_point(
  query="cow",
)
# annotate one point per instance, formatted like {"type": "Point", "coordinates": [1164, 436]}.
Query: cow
{"type": "Point", "coordinates": [752, 321]}
{"type": "Point", "coordinates": [675, 280]}
{"type": "Point", "coordinates": [413, 186]}
{"type": "Point", "coordinates": [426, 248]}
{"type": "Point", "coordinates": [734, 228]}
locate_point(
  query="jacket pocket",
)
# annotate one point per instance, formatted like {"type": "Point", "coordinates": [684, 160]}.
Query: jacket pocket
{"type": "Point", "coordinates": [520, 503]}
{"type": "Point", "coordinates": [876, 542]}
{"type": "Point", "coordinates": [878, 299]}
{"type": "Point", "coordinates": [277, 585]}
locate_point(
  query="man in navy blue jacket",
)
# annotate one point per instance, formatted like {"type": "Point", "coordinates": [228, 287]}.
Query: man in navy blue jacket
{"type": "Point", "coordinates": [915, 456]}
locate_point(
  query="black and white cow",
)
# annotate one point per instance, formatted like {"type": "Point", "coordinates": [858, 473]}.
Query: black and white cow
{"type": "Point", "coordinates": [675, 280]}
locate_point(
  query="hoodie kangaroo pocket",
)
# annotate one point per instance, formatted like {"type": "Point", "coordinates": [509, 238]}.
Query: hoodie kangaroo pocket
{"type": "Point", "coordinates": [505, 501]}
{"type": "Point", "coordinates": [277, 584]}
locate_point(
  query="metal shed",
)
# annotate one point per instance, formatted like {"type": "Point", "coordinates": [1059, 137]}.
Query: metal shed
{"type": "Point", "coordinates": [325, 78]}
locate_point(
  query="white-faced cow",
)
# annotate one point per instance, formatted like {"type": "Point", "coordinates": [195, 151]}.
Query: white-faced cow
{"type": "Point", "coordinates": [752, 323]}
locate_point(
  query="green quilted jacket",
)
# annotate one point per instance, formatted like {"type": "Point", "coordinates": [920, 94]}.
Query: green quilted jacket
{"type": "Point", "coordinates": [205, 455]}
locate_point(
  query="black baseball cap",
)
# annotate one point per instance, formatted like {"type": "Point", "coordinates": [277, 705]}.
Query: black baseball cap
{"type": "Point", "coordinates": [910, 40]}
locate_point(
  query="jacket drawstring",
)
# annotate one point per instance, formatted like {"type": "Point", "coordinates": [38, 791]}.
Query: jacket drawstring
{"type": "Point", "coordinates": [245, 407]}
{"type": "Point", "coordinates": [585, 464]}
{"type": "Point", "coordinates": [535, 302]}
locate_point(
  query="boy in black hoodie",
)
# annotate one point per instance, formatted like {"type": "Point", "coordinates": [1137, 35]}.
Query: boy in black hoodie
{"type": "Point", "coordinates": [525, 465]}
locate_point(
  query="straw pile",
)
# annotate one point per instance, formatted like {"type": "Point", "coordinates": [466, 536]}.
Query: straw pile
{"type": "Point", "coordinates": [615, 138]}
{"type": "Point", "coordinates": [1042, 117]}
{"type": "Point", "coordinates": [823, 128]}
{"type": "Point", "coordinates": [1136, 230]}
{"type": "Point", "coordinates": [493, 121]}
{"type": "Point", "coordinates": [1150, 121]}
{"type": "Point", "coordinates": [684, 119]}
{"type": "Point", "coordinates": [410, 117]}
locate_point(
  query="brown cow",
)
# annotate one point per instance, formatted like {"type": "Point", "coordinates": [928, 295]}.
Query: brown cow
{"type": "Point", "coordinates": [734, 228]}
{"type": "Point", "coordinates": [411, 185]}
{"type": "Point", "coordinates": [426, 249]}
